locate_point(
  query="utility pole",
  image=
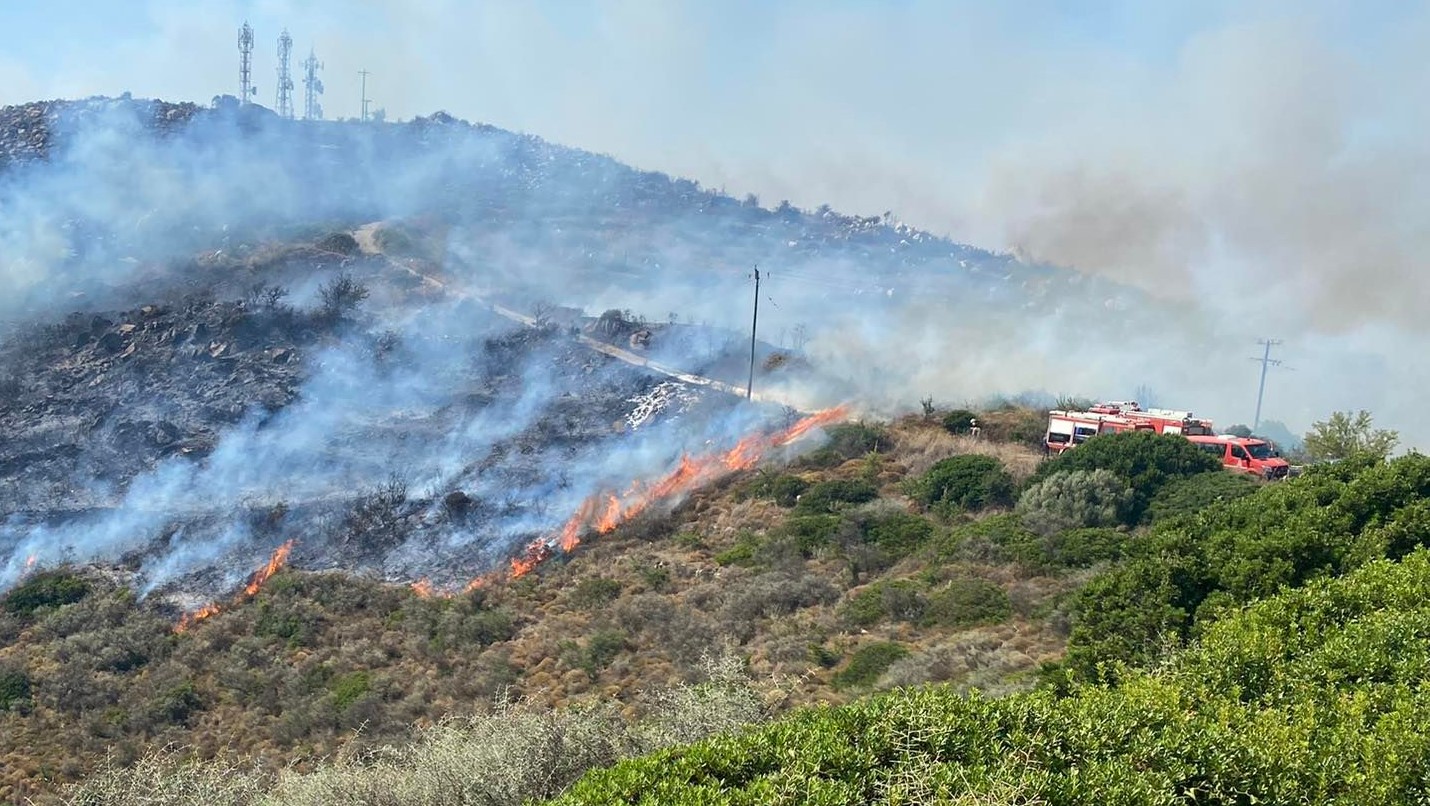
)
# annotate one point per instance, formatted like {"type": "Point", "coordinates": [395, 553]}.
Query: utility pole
{"type": "Point", "coordinates": [754, 328]}
{"type": "Point", "coordinates": [364, 73]}
{"type": "Point", "coordinates": [1266, 361]}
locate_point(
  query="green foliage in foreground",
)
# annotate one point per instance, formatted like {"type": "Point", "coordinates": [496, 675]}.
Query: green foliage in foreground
{"type": "Point", "coordinates": [1315, 696]}
{"type": "Point", "coordinates": [1184, 574]}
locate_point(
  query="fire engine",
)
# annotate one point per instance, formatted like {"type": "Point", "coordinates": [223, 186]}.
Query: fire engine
{"type": "Point", "coordinates": [1069, 428]}
{"type": "Point", "coordinates": [1249, 455]}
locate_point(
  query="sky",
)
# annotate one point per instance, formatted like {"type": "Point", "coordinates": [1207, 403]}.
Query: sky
{"type": "Point", "coordinates": [1264, 160]}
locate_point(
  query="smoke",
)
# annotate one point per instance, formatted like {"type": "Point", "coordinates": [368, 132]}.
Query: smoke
{"type": "Point", "coordinates": [1251, 174]}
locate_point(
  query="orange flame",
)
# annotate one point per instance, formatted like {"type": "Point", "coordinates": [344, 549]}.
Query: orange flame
{"type": "Point", "coordinates": [29, 564]}
{"type": "Point", "coordinates": [255, 581]}
{"type": "Point", "coordinates": [604, 512]}
{"type": "Point", "coordinates": [262, 575]}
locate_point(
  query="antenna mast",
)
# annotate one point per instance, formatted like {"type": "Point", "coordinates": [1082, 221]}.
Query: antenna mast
{"type": "Point", "coordinates": [285, 77]}
{"type": "Point", "coordinates": [245, 63]}
{"type": "Point", "coordinates": [364, 73]}
{"type": "Point", "coordinates": [312, 88]}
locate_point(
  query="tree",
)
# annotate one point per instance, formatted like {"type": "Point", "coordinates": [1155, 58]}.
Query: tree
{"type": "Point", "coordinates": [1345, 435]}
{"type": "Point", "coordinates": [341, 295]}
{"type": "Point", "coordinates": [1239, 430]}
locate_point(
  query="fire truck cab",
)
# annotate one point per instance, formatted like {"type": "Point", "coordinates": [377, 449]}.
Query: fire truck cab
{"type": "Point", "coordinates": [1254, 457]}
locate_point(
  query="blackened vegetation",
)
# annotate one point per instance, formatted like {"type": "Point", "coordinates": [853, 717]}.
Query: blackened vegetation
{"type": "Point", "coordinates": [96, 399]}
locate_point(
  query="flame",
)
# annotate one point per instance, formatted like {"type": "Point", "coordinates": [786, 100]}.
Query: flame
{"type": "Point", "coordinates": [262, 575]}
{"type": "Point", "coordinates": [255, 581]}
{"type": "Point", "coordinates": [604, 512]}
{"type": "Point", "coordinates": [29, 564]}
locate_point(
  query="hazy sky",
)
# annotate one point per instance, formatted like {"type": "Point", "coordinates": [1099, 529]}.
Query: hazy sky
{"type": "Point", "coordinates": [1268, 159]}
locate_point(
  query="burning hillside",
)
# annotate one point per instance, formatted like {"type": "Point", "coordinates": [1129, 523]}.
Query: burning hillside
{"type": "Point", "coordinates": [210, 349]}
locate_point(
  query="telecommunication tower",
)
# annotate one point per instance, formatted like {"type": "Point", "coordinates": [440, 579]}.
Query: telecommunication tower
{"type": "Point", "coordinates": [312, 88]}
{"type": "Point", "coordinates": [285, 78]}
{"type": "Point", "coordinates": [245, 63]}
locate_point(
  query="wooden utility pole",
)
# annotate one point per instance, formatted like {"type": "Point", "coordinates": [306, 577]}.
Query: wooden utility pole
{"type": "Point", "coordinates": [754, 327]}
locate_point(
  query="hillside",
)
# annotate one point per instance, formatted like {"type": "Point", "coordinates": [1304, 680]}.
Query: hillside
{"type": "Point", "coordinates": [799, 590]}
{"type": "Point", "coordinates": [1309, 692]}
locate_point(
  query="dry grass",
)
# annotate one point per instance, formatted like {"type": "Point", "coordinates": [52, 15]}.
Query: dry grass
{"type": "Point", "coordinates": [919, 446]}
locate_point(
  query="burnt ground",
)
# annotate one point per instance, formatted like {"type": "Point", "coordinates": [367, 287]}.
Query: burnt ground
{"type": "Point", "coordinates": [179, 441]}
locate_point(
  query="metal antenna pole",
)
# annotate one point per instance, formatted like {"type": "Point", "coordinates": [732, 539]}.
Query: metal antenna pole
{"type": "Point", "coordinates": [754, 328]}
{"type": "Point", "coordinates": [364, 74]}
{"type": "Point", "coordinates": [285, 76]}
{"type": "Point", "coordinates": [312, 87]}
{"type": "Point", "coordinates": [245, 63]}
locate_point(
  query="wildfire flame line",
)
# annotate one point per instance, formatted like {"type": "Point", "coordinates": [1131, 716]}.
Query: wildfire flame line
{"type": "Point", "coordinates": [603, 512]}
{"type": "Point", "coordinates": [255, 581]}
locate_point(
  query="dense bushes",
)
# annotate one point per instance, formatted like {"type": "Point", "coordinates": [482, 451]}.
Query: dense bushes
{"type": "Point", "coordinates": [1328, 521]}
{"type": "Point", "coordinates": [828, 496]}
{"type": "Point", "coordinates": [1190, 495]}
{"type": "Point", "coordinates": [967, 482]}
{"type": "Point", "coordinates": [1315, 696]}
{"type": "Point", "coordinates": [45, 589]}
{"type": "Point", "coordinates": [1146, 461]}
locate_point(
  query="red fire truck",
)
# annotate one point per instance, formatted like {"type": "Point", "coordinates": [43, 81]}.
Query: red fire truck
{"type": "Point", "coordinates": [1249, 455]}
{"type": "Point", "coordinates": [1069, 428]}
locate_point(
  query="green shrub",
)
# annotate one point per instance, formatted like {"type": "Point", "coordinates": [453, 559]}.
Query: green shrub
{"type": "Point", "coordinates": [348, 688]}
{"type": "Point", "coordinates": [827, 496]}
{"type": "Point", "coordinates": [900, 533]}
{"type": "Point", "coordinates": [45, 589]}
{"type": "Point", "coordinates": [1190, 495]}
{"type": "Point", "coordinates": [594, 592]}
{"type": "Point", "coordinates": [742, 553]}
{"type": "Point", "coordinates": [1075, 499]}
{"type": "Point", "coordinates": [967, 602]}
{"type": "Point", "coordinates": [1147, 462]}
{"type": "Point", "coordinates": [810, 532]}
{"type": "Point", "coordinates": [14, 687]}
{"type": "Point", "coordinates": [959, 421]}
{"type": "Point", "coordinates": [967, 482]}
{"type": "Point", "coordinates": [898, 600]}
{"type": "Point", "coordinates": [1083, 548]}
{"type": "Point", "coordinates": [782, 488]}
{"type": "Point", "coordinates": [868, 663]}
